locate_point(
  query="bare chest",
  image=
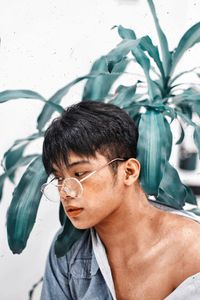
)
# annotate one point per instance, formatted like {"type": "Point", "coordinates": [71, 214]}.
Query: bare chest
{"type": "Point", "coordinates": [141, 282]}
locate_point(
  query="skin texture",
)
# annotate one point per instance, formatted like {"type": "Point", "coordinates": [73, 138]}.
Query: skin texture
{"type": "Point", "coordinates": [150, 251]}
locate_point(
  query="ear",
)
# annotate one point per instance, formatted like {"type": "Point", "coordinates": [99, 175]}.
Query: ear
{"type": "Point", "coordinates": [131, 171]}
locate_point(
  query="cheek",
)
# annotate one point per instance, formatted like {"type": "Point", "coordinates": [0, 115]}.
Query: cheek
{"type": "Point", "coordinates": [102, 195]}
{"type": "Point", "coordinates": [98, 188]}
{"type": "Point", "coordinates": [100, 199]}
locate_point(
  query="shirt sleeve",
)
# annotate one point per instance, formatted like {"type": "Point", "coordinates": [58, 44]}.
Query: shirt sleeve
{"type": "Point", "coordinates": [188, 289]}
{"type": "Point", "coordinates": [56, 278]}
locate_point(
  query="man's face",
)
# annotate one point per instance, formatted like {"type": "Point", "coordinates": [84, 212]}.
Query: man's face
{"type": "Point", "coordinates": [102, 192]}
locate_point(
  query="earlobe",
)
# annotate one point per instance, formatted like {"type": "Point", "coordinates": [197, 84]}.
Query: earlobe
{"type": "Point", "coordinates": [132, 171]}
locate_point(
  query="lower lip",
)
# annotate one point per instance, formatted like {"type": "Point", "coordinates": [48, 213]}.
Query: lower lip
{"type": "Point", "coordinates": [74, 213]}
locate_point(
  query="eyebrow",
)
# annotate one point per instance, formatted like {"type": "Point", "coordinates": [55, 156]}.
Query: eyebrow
{"type": "Point", "coordinates": [75, 163]}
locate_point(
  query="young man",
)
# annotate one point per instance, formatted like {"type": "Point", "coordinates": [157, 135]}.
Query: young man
{"type": "Point", "coordinates": [130, 249]}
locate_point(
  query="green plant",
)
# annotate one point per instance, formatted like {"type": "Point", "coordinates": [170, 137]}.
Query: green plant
{"type": "Point", "coordinates": [153, 103]}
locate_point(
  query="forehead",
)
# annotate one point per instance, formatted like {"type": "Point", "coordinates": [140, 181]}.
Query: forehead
{"type": "Point", "coordinates": [79, 160]}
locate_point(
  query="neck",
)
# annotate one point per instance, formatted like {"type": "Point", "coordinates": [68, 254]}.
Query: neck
{"type": "Point", "coordinates": [132, 226]}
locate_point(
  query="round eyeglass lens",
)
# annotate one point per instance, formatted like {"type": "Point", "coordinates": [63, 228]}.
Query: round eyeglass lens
{"type": "Point", "coordinates": [72, 187]}
{"type": "Point", "coordinates": [51, 191]}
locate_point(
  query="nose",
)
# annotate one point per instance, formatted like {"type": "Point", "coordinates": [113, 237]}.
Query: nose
{"type": "Point", "coordinates": [66, 192]}
{"type": "Point", "coordinates": [64, 197]}
{"type": "Point", "coordinates": [63, 193]}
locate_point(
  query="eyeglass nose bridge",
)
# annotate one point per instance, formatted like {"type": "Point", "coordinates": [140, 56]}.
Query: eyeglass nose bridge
{"type": "Point", "coordinates": [72, 187]}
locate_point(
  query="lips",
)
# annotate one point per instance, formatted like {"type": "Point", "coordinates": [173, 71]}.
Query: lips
{"type": "Point", "coordinates": [73, 211]}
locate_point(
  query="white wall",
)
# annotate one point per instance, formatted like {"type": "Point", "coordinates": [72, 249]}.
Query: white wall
{"type": "Point", "coordinates": [44, 45]}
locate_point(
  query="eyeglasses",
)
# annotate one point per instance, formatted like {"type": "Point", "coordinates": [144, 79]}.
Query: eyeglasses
{"type": "Point", "coordinates": [70, 187]}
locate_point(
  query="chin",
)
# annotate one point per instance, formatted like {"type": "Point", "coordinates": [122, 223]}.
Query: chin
{"type": "Point", "coordinates": [80, 225]}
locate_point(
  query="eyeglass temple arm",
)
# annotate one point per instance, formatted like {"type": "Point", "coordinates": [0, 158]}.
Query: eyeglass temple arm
{"type": "Point", "coordinates": [93, 172]}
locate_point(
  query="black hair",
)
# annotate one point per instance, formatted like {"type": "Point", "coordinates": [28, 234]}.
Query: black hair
{"type": "Point", "coordinates": [87, 128]}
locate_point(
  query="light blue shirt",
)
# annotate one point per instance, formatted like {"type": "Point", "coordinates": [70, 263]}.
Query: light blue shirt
{"type": "Point", "coordinates": [75, 275]}
{"type": "Point", "coordinates": [84, 274]}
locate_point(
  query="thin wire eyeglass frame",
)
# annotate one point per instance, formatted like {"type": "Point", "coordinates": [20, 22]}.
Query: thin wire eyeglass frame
{"type": "Point", "coordinates": [65, 184]}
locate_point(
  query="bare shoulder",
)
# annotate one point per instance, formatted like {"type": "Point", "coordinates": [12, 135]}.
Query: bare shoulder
{"type": "Point", "coordinates": [184, 234]}
{"type": "Point", "coordinates": [188, 230]}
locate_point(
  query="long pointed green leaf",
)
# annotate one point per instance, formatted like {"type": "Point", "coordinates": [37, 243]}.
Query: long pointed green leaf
{"type": "Point", "coordinates": [124, 95]}
{"type": "Point", "coordinates": [181, 74]}
{"type": "Point", "coordinates": [98, 88]}
{"type": "Point", "coordinates": [29, 138]}
{"type": "Point", "coordinates": [190, 197]}
{"type": "Point", "coordinates": [196, 107]}
{"type": "Point", "coordinates": [152, 149]}
{"type": "Point", "coordinates": [171, 190]}
{"type": "Point", "coordinates": [126, 33]}
{"type": "Point", "coordinates": [186, 109]}
{"type": "Point", "coordinates": [47, 111]}
{"type": "Point", "coordinates": [133, 109]}
{"type": "Point", "coordinates": [19, 94]}
{"type": "Point", "coordinates": [11, 158]}
{"type": "Point", "coordinates": [67, 238]}
{"type": "Point", "coordinates": [185, 118]}
{"type": "Point", "coordinates": [165, 198]}
{"type": "Point", "coordinates": [26, 94]}
{"type": "Point", "coordinates": [23, 209]}
{"type": "Point", "coordinates": [189, 39]}
{"type": "Point", "coordinates": [169, 139]}
{"type": "Point", "coordinates": [170, 112]}
{"type": "Point", "coordinates": [23, 161]}
{"type": "Point", "coordinates": [25, 141]}
{"type": "Point", "coordinates": [196, 137]}
{"type": "Point", "coordinates": [2, 180]}
{"type": "Point", "coordinates": [15, 152]}
{"type": "Point", "coordinates": [147, 45]}
{"type": "Point", "coordinates": [120, 52]}
{"type": "Point", "coordinates": [61, 215]}
{"type": "Point", "coordinates": [122, 49]}
{"type": "Point", "coordinates": [188, 95]}
{"type": "Point", "coordinates": [144, 62]}
{"type": "Point", "coordinates": [166, 55]}
{"type": "Point", "coordinates": [182, 135]}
